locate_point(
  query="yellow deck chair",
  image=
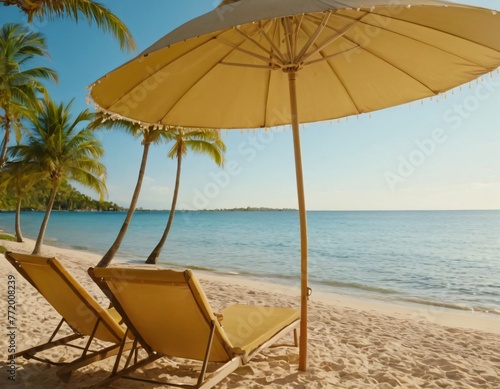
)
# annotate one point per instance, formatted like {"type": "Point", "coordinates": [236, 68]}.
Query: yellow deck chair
{"type": "Point", "coordinates": [169, 316]}
{"type": "Point", "coordinates": [79, 310]}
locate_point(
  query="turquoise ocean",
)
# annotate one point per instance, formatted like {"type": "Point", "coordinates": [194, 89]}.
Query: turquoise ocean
{"type": "Point", "coordinates": [448, 259]}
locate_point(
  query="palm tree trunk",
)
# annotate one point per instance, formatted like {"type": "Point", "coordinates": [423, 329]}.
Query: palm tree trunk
{"type": "Point", "coordinates": [19, 235]}
{"type": "Point", "coordinates": [5, 144]}
{"type": "Point", "coordinates": [153, 257]}
{"type": "Point", "coordinates": [39, 241]}
{"type": "Point", "coordinates": [108, 257]}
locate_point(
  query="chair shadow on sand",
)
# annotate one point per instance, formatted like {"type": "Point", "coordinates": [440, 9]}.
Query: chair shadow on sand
{"type": "Point", "coordinates": [154, 314]}
{"type": "Point", "coordinates": [168, 315]}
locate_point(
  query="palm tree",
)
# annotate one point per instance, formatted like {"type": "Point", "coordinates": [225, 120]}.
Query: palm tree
{"type": "Point", "coordinates": [18, 180]}
{"type": "Point", "coordinates": [206, 142]}
{"type": "Point", "coordinates": [58, 149]}
{"type": "Point", "coordinates": [90, 10]}
{"type": "Point", "coordinates": [18, 84]}
{"type": "Point", "coordinates": [150, 135]}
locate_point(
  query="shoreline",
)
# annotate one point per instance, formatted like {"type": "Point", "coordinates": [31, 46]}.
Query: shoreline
{"type": "Point", "coordinates": [352, 293]}
{"type": "Point", "coordinates": [483, 321]}
{"type": "Point", "coordinates": [442, 316]}
{"type": "Point", "coordinates": [382, 269]}
{"type": "Point", "coordinates": [352, 343]}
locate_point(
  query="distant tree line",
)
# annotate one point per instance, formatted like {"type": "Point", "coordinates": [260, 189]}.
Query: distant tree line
{"type": "Point", "coordinates": [68, 198]}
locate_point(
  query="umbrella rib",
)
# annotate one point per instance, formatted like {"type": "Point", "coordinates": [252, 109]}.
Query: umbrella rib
{"type": "Point", "coordinates": [245, 65]}
{"type": "Point", "coordinates": [288, 38]}
{"type": "Point", "coordinates": [435, 29]}
{"type": "Point", "coordinates": [313, 37]}
{"type": "Point", "coordinates": [317, 20]}
{"type": "Point", "coordinates": [276, 35]}
{"type": "Point", "coordinates": [325, 59]}
{"type": "Point", "coordinates": [250, 39]}
{"type": "Point", "coordinates": [257, 56]}
{"type": "Point", "coordinates": [360, 20]}
{"type": "Point", "coordinates": [328, 41]}
{"type": "Point", "coordinates": [417, 40]}
{"type": "Point", "coordinates": [273, 45]}
{"type": "Point", "coordinates": [201, 77]}
{"type": "Point", "coordinates": [339, 34]}
{"type": "Point", "coordinates": [268, 86]}
{"type": "Point", "coordinates": [329, 56]}
{"type": "Point", "coordinates": [126, 93]}
{"type": "Point", "coordinates": [351, 97]}
{"type": "Point", "coordinates": [297, 30]}
{"type": "Point", "coordinates": [395, 67]}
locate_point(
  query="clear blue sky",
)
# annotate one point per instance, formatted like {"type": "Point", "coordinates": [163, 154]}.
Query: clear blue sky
{"type": "Point", "coordinates": [435, 155]}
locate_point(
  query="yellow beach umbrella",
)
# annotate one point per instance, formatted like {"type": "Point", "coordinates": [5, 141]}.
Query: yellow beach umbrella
{"type": "Point", "coordinates": [264, 63]}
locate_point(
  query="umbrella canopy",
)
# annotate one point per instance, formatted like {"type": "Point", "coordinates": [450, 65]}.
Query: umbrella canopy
{"type": "Point", "coordinates": [263, 63]}
{"type": "Point", "coordinates": [354, 57]}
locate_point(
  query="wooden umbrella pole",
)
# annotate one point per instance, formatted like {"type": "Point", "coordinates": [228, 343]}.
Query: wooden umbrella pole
{"type": "Point", "coordinates": [304, 289]}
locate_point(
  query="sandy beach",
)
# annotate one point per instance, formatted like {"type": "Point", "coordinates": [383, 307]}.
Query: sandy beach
{"type": "Point", "coordinates": [353, 343]}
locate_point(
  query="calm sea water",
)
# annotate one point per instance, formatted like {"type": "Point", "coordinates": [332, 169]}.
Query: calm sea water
{"type": "Point", "coordinates": [442, 258]}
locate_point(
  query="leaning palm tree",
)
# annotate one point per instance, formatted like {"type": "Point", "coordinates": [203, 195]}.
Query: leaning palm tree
{"type": "Point", "coordinates": [90, 10]}
{"type": "Point", "coordinates": [19, 83]}
{"type": "Point", "coordinates": [206, 142]}
{"type": "Point", "coordinates": [58, 148]}
{"type": "Point", "coordinates": [150, 135]}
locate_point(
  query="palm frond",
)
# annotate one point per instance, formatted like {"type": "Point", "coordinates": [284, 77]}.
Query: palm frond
{"type": "Point", "coordinates": [201, 141]}
{"type": "Point", "coordinates": [39, 73]}
{"type": "Point", "coordinates": [61, 148]}
{"type": "Point", "coordinates": [93, 11]}
{"type": "Point", "coordinates": [19, 84]}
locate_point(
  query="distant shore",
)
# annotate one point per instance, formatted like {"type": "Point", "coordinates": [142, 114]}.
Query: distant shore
{"type": "Point", "coordinates": [239, 209]}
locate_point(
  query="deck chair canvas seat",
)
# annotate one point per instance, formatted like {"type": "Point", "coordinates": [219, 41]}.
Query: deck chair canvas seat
{"type": "Point", "coordinates": [79, 310]}
{"type": "Point", "coordinates": [169, 316]}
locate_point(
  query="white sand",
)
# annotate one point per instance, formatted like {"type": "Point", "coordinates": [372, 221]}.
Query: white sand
{"type": "Point", "coordinates": [353, 343]}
